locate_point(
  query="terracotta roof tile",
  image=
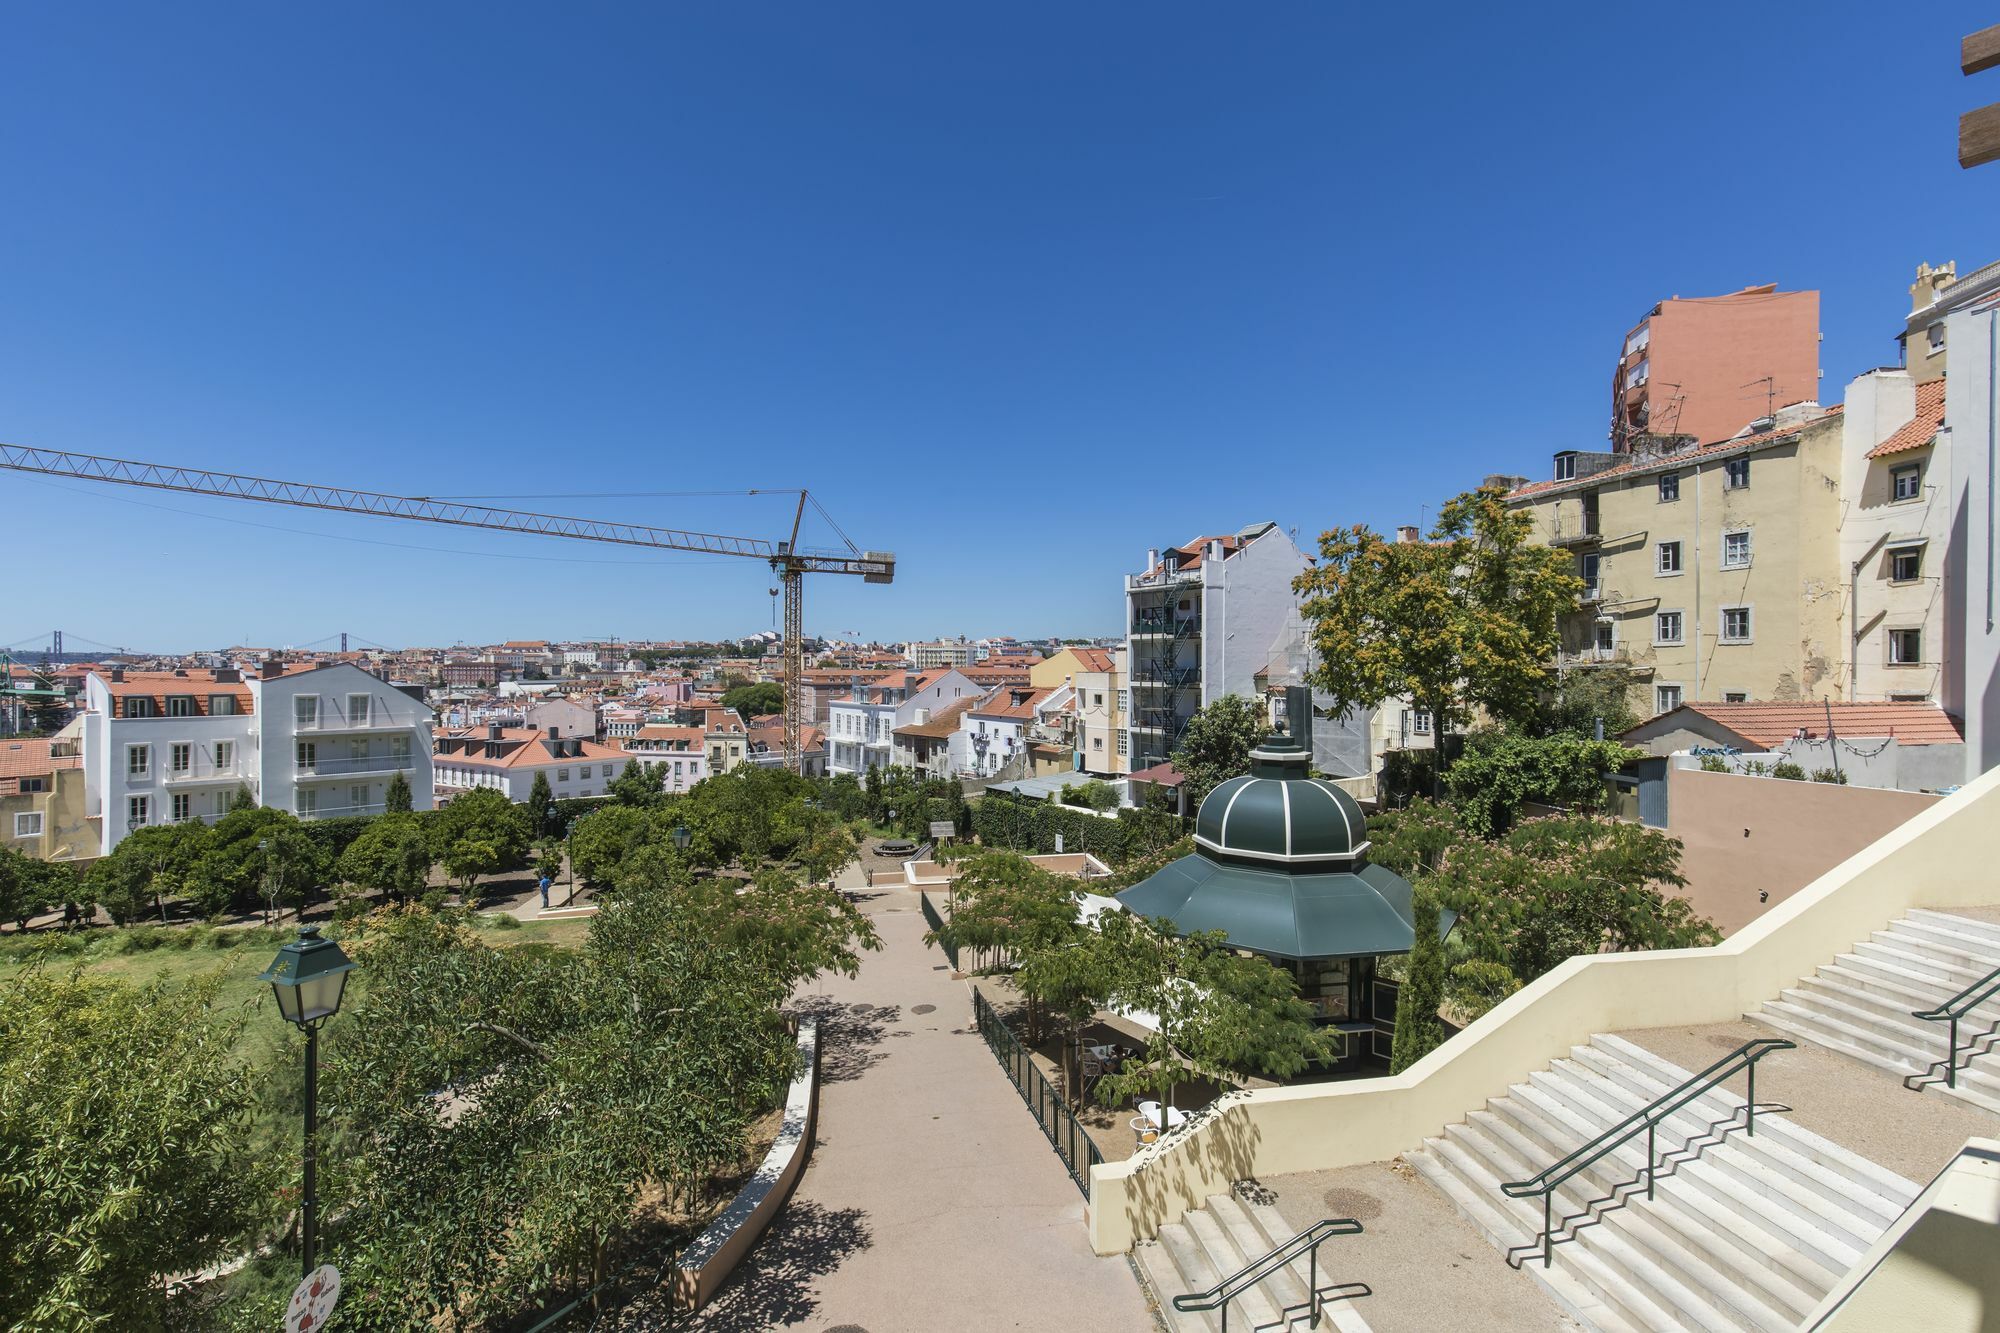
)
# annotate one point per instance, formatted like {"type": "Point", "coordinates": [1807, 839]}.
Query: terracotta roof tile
{"type": "Point", "coordinates": [32, 757]}
{"type": "Point", "coordinates": [1920, 429]}
{"type": "Point", "coordinates": [941, 723]}
{"type": "Point", "coordinates": [1663, 462]}
{"type": "Point", "coordinates": [1772, 724]}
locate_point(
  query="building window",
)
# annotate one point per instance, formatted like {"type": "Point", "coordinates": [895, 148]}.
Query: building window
{"type": "Point", "coordinates": [1736, 549]}
{"type": "Point", "coordinates": [562, 775]}
{"type": "Point", "coordinates": [1670, 487]}
{"type": "Point", "coordinates": [1909, 698]}
{"type": "Point", "coordinates": [1124, 743]}
{"type": "Point", "coordinates": [357, 797]}
{"type": "Point", "coordinates": [1735, 697]}
{"type": "Point", "coordinates": [28, 824]}
{"type": "Point", "coordinates": [138, 810]}
{"type": "Point", "coordinates": [1121, 701]}
{"type": "Point", "coordinates": [1666, 698]}
{"type": "Point", "coordinates": [180, 757]}
{"type": "Point", "coordinates": [357, 709]}
{"type": "Point", "coordinates": [225, 756]}
{"type": "Point", "coordinates": [1097, 700]}
{"type": "Point", "coordinates": [1606, 637]}
{"type": "Point", "coordinates": [399, 747]}
{"type": "Point", "coordinates": [1097, 742]}
{"type": "Point", "coordinates": [305, 710]}
{"type": "Point", "coordinates": [1736, 474]}
{"type": "Point", "coordinates": [1906, 647]}
{"type": "Point", "coordinates": [138, 761]}
{"type": "Point", "coordinates": [140, 706]}
{"type": "Point", "coordinates": [1935, 333]}
{"type": "Point", "coordinates": [222, 705]}
{"type": "Point", "coordinates": [1906, 564]}
{"type": "Point", "coordinates": [29, 786]}
{"type": "Point", "coordinates": [1565, 467]}
{"type": "Point", "coordinates": [180, 807]}
{"type": "Point", "coordinates": [1736, 624]}
{"type": "Point", "coordinates": [180, 705]}
{"type": "Point", "coordinates": [1420, 722]}
{"type": "Point", "coordinates": [1669, 558]}
{"type": "Point", "coordinates": [1667, 627]}
{"type": "Point", "coordinates": [1906, 482]}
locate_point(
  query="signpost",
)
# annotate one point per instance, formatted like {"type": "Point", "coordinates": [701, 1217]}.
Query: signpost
{"type": "Point", "coordinates": [942, 829]}
{"type": "Point", "coordinates": [312, 1300]}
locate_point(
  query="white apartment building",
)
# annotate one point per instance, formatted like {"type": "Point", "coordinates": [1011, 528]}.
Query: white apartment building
{"type": "Point", "coordinates": [939, 653]}
{"type": "Point", "coordinates": [507, 759]}
{"type": "Point", "coordinates": [861, 728]}
{"type": "Point", "coordinates": [1202, 621]}
{"type": "Point", "coordinates": [1970, 686]}
{"type": "Point", "coordinates": [161, 747]}
{"type": "Point", "coordinates": [1895, 525]}
{"type": "Point", "coordinates": [998, 730]}
{"type": "Point", "coordinates": [678, 750]}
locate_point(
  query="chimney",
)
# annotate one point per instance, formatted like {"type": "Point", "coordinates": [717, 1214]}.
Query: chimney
{"type": "Point", "coordinates": [492, 731]}
{"type": "Point", "coordinates": [1215, 549]}
{"type": "Point", "coordinates": [909, 683]}
{"type": "Point", "coordinates": [1406, 534]}
{"type": "Point", "coordinates": [270, 669]}
{"type": "Point", "coordinates": [1152, 557]}
{"type": "Point", "coordinates": [118, 675]}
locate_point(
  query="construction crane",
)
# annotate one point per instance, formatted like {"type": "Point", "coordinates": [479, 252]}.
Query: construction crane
{"type": "Point", "coordinates": [786, 559]}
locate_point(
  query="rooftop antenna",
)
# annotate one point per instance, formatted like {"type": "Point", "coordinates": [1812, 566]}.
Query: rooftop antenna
{"type": "Point", "coordinates": [1770, 393]}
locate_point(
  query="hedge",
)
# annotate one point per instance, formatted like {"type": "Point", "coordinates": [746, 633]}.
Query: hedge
{"type": "Point", "coordinates": [1032, 826]}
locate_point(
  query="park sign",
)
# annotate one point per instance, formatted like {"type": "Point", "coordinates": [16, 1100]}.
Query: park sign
{"type": "Point", "coordinates": [312, 1300]}
{"type": "Point", "coordinates": [943, 828]}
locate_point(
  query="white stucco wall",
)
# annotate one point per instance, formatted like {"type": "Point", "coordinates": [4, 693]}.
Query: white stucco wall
{"type": "Point", "coordinates": [351, 752]}
{"type": "Point", "coordinates": [1971, 681]}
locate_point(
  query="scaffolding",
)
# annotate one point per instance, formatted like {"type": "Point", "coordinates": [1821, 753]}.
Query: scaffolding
{"type": "Point", "coordinates": [1165, 671]}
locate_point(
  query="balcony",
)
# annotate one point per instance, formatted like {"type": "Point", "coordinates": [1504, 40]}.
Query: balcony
{"type": "Point", "coordinates": [350, 765]}
{"type": "Point", "coordinates": [1575, 530]}
{"type": "Point", "coordinates": [329, 722]}
{"type": "Point", "coordinates": [340, 811]}
{"type": "Point", "coordinates": [201, 774]}
{"type": "Point", "coordinates": [1166, 627]}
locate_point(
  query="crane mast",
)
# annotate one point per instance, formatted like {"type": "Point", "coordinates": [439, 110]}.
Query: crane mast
{"type": "Point", "coordinates": [786, 559]}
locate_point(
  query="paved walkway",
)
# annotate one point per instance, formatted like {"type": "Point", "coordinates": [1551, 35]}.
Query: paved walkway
{"type": "Point", "coordinates": [932, 1201]}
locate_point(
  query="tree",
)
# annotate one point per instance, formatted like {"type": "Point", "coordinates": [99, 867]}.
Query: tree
{"type": "Point", "coordinates": [257, 854]}
{"type": "Point", "coordinates": [1580, 700]}
{"type": "Point", "coordinates": [752, 700]}
{"type": "Point", "coordinates": [479, 833]}
{"type": "Point", "coordinates": [242, 800]}
{"type": "Point", "coordinates": [150, 865]}
{"type": "Point", "coordinates": [541, 805]}
{"type": "Point", "coordinates": [392, 856]}
{"type": "Point", "coordinates": [1419, 1031]}
{"type": "Point", "coordinates": [1216, 745]}
{"type": "Point", "coordinates": [602, 839]}
{"type": "Point", "coordinates": [1502, 769]}
{"type": "Point", "coordinates": [124, 1115]}
{"type": "Point", "coordinates": [396, 800]}
{"type": "Point", "coordinates": [638, 784]}
{"type": "Point", "coordinates": [1468, 619]}
{"type": "Point", "coordinates": [29, 887]}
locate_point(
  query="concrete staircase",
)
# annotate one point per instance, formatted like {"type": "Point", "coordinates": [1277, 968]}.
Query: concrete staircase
{"type": "Point", "coordinates": [1743, 1233]}
{"type": "Point", "coordinates": [1218, 1239]}
{"type": "Point", "coordinates": [1860, 1004]}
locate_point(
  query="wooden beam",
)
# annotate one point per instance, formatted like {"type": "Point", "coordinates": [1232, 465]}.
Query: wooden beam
{"type": "Point", "coordinates": [1980, 51]}
{"type": "Point", "coordinates": [1979, 136]}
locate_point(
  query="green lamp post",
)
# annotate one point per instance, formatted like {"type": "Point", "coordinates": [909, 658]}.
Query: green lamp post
{"type": "Point", "coordinates": [682, 837]}
{"type": "Point", "coordinates": [307, 977]}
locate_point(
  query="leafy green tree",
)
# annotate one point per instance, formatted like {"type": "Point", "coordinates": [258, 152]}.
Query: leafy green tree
{"type": "Point", "coordinates": [479, 833]}
{"type": "Point", "coordinates": [1419, 1031]}
{"type": "Point", "coordinates": [639, 784]}
{"type": "Point", "coordinates": [1216, 745]}
{"type": "Point", "coordinates": [602, 839]}
{"type": "Point", "coordinates": [1465, 620]}
{"type": "Point", "coordinates": [29, 887]}
{"type": "Point", "coordinates": [258, 855]}
{"type": "Point", "coordinates": [1502, 769]}
{"type": "Point", "coordinates": [392, 857]}
{"type": "Point", "coordinates": [150, 865]}
{"type": "Point", "coordinates": [242, 800]}
{"type": "Point", "coordinates": [124, 1117]}
{"type": "Point", "coordinates": [541, 805]}
{"type": "Point", "coordinates": [1577, 701]}
{"type": "Point", "coordinates": [752, 700]}
{"type": "Point", "coordinates": [396, 799]}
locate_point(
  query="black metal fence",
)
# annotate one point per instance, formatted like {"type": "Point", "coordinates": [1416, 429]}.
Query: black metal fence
{"type": "Point", "coordinates": [1071, 1143]}
{"type": "Point", "coordinates": [937, 924]}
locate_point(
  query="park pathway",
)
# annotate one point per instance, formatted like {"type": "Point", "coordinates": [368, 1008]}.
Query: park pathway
{"type": "Point", "coordinates": [932, 1200]}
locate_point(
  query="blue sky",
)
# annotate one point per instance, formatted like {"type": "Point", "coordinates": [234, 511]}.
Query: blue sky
{"type": "Point", "coordinates": [1016, 290]}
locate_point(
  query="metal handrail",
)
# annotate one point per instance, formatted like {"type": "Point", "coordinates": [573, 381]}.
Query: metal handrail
{"type": "Point", "coordinates": [1957, 1007]}
{"type": "Point", "coordinates": [1307, 1242]}
{"type": "Point", "coordinates": [1647, 1117]}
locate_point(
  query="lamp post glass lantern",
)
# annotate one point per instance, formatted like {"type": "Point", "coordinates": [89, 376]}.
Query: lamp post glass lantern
{"type": "Point", "coordinates": [682, 836]}
{"type": "Point", "coordinates": [308, 978]}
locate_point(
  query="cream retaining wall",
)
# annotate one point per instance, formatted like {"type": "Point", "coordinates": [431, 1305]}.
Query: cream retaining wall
{"type": "Point", "coordinates": [713, 1255]}
{"type": "Point", "coordinates": [1943, 857]}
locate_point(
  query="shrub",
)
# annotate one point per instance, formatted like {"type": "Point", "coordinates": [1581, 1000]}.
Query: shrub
{"type": "Point", "coordinates": [505, 921]}
{"type": "Point", "coordinates": [1475, 986]}
{"type": "Point", "coordinates": [142, 939]}
{"type": "Point", "coordinates": [1832, 775]}
{"type": "Point", "coordinates": [1788, 771]}
{"type": "Point", "coordinates": [1714, 763]}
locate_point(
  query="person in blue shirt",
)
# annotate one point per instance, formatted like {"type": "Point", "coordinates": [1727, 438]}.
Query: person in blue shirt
{"type": "Point", "coordinates": [545, 893]}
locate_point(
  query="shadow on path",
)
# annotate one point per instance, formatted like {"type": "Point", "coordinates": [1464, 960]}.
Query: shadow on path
{"type": "Point", "coordinates": [850, 1034]}
{"type": "Point", "coordinates": [773, 1287]}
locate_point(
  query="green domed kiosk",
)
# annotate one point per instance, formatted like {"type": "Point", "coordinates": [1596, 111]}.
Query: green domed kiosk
{"type": "Point", "coordinates": [1281, 868]}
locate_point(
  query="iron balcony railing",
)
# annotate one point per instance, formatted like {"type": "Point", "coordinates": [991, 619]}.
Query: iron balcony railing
{"type": "Point", "coordinates": [1307, 1242]}
{"type": "Point", "coordinates": [1648, 1118]}
{"type": "Point", "coordinates": [374, 720]}
{"type": "Point", "coordinates": [340, 811]}
{"type": "Point", "coordinates": [1951, 1011]}
{"type": "Point", "coordinates": [365, 763]}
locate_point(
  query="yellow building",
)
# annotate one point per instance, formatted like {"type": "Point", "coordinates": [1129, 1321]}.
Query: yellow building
{"type": "Point", "coordinates": [1712, 573]}
{"type": "Point", "coordinates": [1098, 677]}
{"type": "Point", "coordinates": [42, 806]}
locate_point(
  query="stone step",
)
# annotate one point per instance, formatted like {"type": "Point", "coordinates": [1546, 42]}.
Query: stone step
{"type": "Point", "coordinates": [1250, 1308]}
{"type": "Point", "coordinates": [1175, 1263]}
{"type": "Point", "coordinates": [1579, 1282]}
{"type": "Point", "coordinates": [1333, 1270]}
{"type": "Point", "coordinates": [1963, 925]}
{"type": "Point", "coordinates": [1627, 1276]}
{"type": "Point", "coordinates": [1836, 1035]}
{"type": "Point", "coordinates": [1947, 973]}
{"type": "Point", "coordinates": [1872, 1013]}
{"type": "Point", "coordinates": [1965, 951]}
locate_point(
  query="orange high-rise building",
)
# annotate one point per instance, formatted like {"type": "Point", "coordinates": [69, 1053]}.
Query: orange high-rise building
{"type": "Point", "coordinates": [1708, 366]}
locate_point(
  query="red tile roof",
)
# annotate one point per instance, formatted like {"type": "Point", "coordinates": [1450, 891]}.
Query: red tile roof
{"type": "Point", "coordinates": [1093, 659]}
{"type": "Point", "coordinates": [1920, 429]}
{"type": "Point", "coordinates": [1766, 725]}
{"type": "Point", "coordinates": [158, 685]}
{"type": "Point", "coordinates": [1667, 462]}
{"type": "Point", "coordinates": [530, 749]}
{"type": "Point", "coordinates": [1162, 774]}
{"type": "Point", "coordinates": [941, 724]}
{"type": "Point", "coordinates": [30, 758]}
{"type": "Point", "coordinates": [1001, 703]}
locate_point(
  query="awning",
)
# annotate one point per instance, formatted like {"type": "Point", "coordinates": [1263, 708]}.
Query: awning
{"type": "Point", "coordinates": [1339, 914]}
